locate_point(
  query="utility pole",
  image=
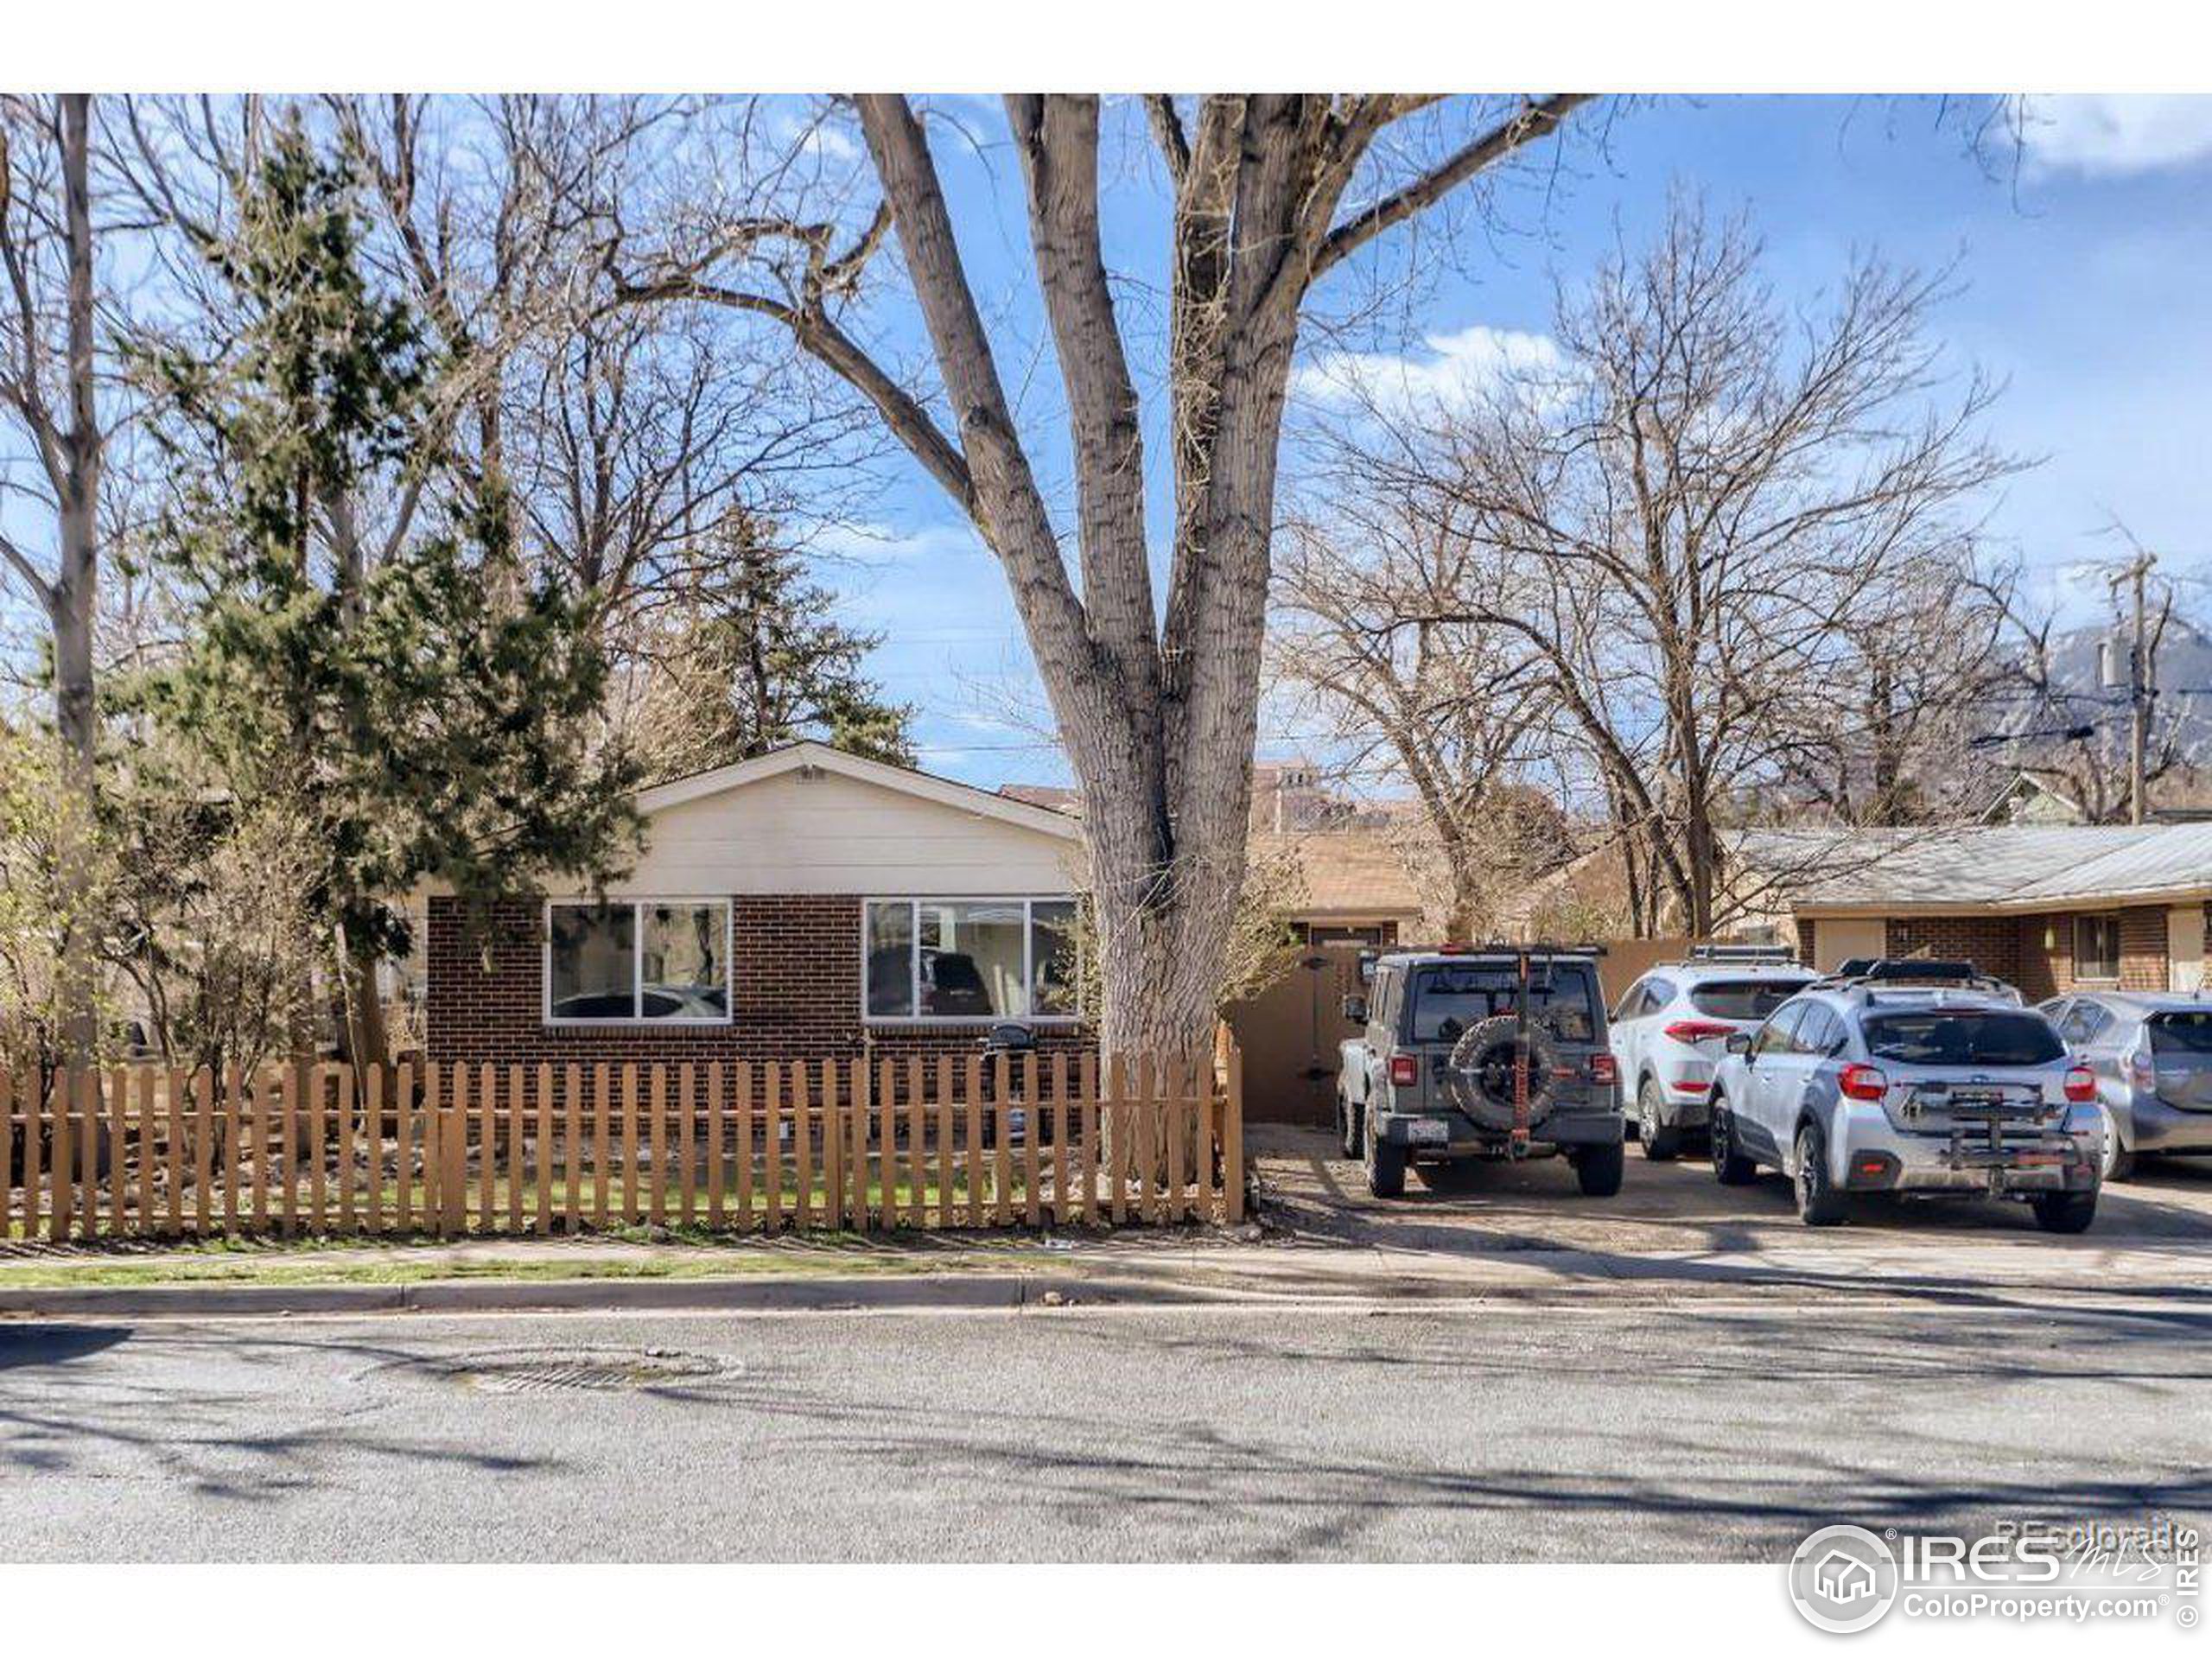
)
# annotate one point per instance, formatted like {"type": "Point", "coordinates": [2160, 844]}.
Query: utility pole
{"type": "Point", "coordinates": [2141, 681]}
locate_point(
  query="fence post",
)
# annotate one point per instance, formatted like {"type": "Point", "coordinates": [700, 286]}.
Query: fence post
{"type": "Point", "coordinates": [1232, 1137]}
{"type": "Point", "coordinates": [453, 1156]}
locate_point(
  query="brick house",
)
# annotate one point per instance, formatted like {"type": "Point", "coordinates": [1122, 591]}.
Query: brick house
{"type": "Point", "coordinates": [2048, 907]}
{"type": "Point", "coordinates": [802, 905]}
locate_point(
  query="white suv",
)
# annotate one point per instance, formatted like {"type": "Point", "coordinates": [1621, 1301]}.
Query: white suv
{"type": "Point", "coordinates": [1668, 1032]}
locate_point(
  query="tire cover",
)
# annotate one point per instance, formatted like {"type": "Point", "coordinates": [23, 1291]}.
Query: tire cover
{"type": "Point", "coordinates": [1482, 1072]}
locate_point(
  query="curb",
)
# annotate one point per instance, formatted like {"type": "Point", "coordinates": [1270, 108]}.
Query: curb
{"type": "Point", "coordinates": [985, 1291]}
{"type": "Point", "coordinates": [826, 1294]}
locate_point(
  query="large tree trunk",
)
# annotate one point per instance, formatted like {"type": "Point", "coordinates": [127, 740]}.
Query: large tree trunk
{"type": "Point", "coordinates": [1157, 713]}
{"type": "Point", "coordinates": [74, 597]}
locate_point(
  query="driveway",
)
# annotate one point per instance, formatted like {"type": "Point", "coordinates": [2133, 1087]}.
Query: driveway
{"type": "Point", "coordinates": [1673, 1223]}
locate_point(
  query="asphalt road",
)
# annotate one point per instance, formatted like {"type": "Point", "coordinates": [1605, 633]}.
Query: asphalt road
{"type": "Point", "coordinates": [1606, 1429]}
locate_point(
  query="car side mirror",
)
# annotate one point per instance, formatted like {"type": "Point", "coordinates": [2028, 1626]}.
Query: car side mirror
{"type": "Point", "coordinates": [1355, 1010]}
{"type": "Point", "coordinates": [1739, 1042]}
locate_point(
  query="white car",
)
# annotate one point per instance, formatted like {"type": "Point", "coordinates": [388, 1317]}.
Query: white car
{"type": "Point", "coordinates": [1669, 1031]}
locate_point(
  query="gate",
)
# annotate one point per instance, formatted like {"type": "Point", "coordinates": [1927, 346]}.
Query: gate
{"type": "Point", "coordinates": [1288, 1035]}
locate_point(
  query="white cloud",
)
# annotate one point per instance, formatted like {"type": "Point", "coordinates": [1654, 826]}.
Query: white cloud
{"type": "Point", "coordinates": [1449, 370]}
{"type": "Point", "coordinates": [2105, 133]}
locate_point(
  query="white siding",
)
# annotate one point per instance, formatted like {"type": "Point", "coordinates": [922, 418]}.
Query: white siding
{"type": "Point", "coordinates": [830, 833]}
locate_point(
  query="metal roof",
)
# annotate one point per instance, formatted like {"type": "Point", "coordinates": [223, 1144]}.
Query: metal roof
{"type": "Point", "coordinates": [2005, 867]}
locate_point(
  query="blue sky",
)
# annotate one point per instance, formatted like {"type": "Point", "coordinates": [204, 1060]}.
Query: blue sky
{"type": "Point", "coordinates": [2083, 277]}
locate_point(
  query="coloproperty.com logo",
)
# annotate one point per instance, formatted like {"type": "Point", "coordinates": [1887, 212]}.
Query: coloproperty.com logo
{"type": "Point", "coordinates": [1846, 1579]}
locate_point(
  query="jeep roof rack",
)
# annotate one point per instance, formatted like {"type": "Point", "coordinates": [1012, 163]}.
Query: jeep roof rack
{"type": "Point", "coordinates": [1506, 947]}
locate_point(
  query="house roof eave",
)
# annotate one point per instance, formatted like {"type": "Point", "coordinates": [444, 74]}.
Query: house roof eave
{"type": "Point", "coordinates": [945, 791]}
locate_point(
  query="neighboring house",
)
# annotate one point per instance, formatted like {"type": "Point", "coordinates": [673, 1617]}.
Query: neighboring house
{"type": "Point", "coordinates": [1347, 887]}
{"type": "Point", "coordinates": [2028, 799]}
{"type": "Point", "coordinates": [1348, 880]}
{"type": "Point", "coordinates": [806, 905]}
{"type": "Point", "coordinates": [2049, 908]}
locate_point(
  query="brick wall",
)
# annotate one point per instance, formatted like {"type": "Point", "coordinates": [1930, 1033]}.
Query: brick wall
{"type": "Point", "coordinates": [1991, 943]}
{"type": "Point", "coordinates": [797, 961]}
{"type": "Point", "coordinates": [1807, 938]}
{"type": "Point", "coordinates": [2143, 950]}
{"type": "Point", "coordinates": [2035, 952]}
{"type": "Point", "coordinates": [2047, 952]}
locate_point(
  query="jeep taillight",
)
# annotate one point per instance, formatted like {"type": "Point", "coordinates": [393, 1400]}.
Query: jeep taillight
{"type": "Point", "coordinates": [1405, 1069]}
{"type": "Point", "coordinates": [1862, 1082]}
{"type": "Point", "coordinates": [1699, 1031]}
{"type": "Point", "coordinates": [1602, 1069]}
{"type": "Point", "coordinates": [2081, 1085]}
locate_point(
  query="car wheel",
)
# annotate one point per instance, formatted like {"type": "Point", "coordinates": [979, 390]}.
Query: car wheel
{"type": "Point", "coordinates": [1598, 1170]}
{"type": "Point", "coordinates": [1386, 1167]}
{"type": "Point", "coordinates": [1348, 1122]}
{"type": "Point", "coordinates": [1819, 1203]}
{"type": "Point", "coordinates": [2064, 1212]}
{"type": "Point", "coordinates": [2120, 1162]}
{"type": "Point", "coordinates": [1660, 1143]}
{"type": "Point", "coordinates": [1730, 1168]}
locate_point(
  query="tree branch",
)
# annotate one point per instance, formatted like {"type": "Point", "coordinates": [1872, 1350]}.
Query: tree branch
{"type": "Point", "coordinates": [830, 345]}
{"type": "Point", "coordinates": [31, 579]}
{"type": "Point", "coordinates": [1537, 118]}
{"type": "Point", "coordinates": [1004, 499]}
{"type": "Point", "coordinates": [1167, 130]}
{"type": "Point", "coordinates": [1057, 138]}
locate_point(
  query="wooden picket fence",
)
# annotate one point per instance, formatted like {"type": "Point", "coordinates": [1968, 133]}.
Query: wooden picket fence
{"type": "Point", "coordinates": [142, 1151]}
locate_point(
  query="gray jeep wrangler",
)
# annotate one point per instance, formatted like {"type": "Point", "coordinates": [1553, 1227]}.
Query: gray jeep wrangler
{"type": "Point", "coordinates": [1480, 1052]}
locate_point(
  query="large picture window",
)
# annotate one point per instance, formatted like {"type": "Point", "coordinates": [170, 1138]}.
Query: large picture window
{"type": "Point", "coordinates": [649, 961]}
{"type": "Point", "coordinates": [971, 959]}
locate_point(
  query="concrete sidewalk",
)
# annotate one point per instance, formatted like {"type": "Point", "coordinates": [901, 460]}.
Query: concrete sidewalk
{"type": "Point", "coordinates": [1204, 1268]}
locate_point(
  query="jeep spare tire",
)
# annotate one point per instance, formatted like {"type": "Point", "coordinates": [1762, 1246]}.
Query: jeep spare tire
{"type": "Point", "coordinates": [1482, 1072]}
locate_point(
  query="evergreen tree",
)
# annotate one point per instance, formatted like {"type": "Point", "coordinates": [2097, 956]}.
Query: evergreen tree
{"type": "Point", "coordinates": [755, 662]}
{"type": "Point", "coordinates": [426, 711]}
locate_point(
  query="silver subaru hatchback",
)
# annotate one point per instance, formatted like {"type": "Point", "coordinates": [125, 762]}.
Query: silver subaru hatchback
{"type": "Point", "coordinates": [2152, 1053]}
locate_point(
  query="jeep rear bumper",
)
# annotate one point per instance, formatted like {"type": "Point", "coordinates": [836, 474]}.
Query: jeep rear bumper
{"type": "Point", "coordinates": [1453, 1136]}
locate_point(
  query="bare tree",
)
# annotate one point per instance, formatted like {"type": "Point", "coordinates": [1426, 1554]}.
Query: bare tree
{"type": "Point", "coordinates": [50, 393]}
{"type": "Point", "coordinates": [1366, 629]}
{"type": "Point", "coordinates": [1155, 703]}
{"type": "Point", "coordinates": [2050, 719]}
{"type": "Point", "coordinates": [1703, 513]}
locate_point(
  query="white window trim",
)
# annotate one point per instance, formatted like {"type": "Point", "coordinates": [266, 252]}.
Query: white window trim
{"type": "Point", "coordinates": [637, 964]}
{"type": "Point", "coordinates": [913, 901]}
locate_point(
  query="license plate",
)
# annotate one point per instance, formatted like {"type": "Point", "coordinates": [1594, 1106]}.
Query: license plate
{"type": "Point", "coordinates": [1427, 1132]}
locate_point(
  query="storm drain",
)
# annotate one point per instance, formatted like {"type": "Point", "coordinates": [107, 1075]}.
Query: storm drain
{"type": "Point", "coordinates": [592, 1370]}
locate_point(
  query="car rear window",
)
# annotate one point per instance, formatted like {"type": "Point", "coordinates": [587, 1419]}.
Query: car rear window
{"type": "Point", "coordinates": [2182, 1034]}
{"type": "Point", "coordinates": [1744, 999]}
{"type": "Point", "coordinates": [1449, 998]}
{"type": "Point", "coordinates": [1963, 1036]}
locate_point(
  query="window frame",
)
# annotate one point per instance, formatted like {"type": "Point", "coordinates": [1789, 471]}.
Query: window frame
{"type": "Point", "coordinates": [641, 1021]}
{"type": "Point", "coordinates": [1029, 902]}
{"type": "Point", "coordinates": [1785, 1034]}
{"type": "Point", "coordinates": [2110, 918]}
